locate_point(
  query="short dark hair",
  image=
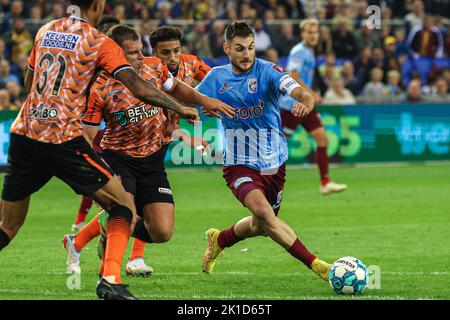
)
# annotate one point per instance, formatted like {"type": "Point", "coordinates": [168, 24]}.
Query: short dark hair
{"type": "Point", "coordinates": [85, 4]}
{"type": "Point", "coordinates": [238, 29]}
{"type": "Point", "coordinates": [121, 33]}
{"type": "Point", "coordinates": [165, 33]}
{"type": "Point", "coordinates": [107, 22]}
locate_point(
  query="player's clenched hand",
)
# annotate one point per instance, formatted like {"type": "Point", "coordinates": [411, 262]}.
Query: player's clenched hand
{"type": "Point", "coordinates": [300, 109]}
{"type": "Point", "coordinates": [189, 113]}
{"type": "Point", "coordinates": [214, 107]}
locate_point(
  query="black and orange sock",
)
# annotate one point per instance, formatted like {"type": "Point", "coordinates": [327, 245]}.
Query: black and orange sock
{"type": "Point", "coordinates": [117, 236]}
{"type": "Point", "coordinates": [87, 233]}
{"type": "Point", "coordinates": [141, 233]}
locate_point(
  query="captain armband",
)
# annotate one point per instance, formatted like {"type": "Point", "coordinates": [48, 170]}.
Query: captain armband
{"type": "Point", "coordinates": [288, 84]}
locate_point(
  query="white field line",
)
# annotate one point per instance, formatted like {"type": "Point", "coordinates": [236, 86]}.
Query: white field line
{"type": "Point", "coordinates": [71, 293]}
{"type": "Point", "coordinates": [312, 166]}
{"type": "Point", "coordinates": [245, 273]}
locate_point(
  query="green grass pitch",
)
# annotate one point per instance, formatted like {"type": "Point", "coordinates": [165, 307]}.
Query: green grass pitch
{"type": "Point", "coordinates": [394, 217]}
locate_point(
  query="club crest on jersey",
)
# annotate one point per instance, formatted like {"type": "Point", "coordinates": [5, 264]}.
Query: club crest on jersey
{"type": "Point", "coordinates": [121, 118]}
{"type": "Point", "coordinates": [252, 85]}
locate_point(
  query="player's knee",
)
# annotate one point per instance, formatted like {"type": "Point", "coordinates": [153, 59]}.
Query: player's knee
{"type": "Point", "coordinates": [11, 226]}
{"type": "Point", "coordinates": [119, 211]}
{"type": "Point", "coordinates": [321, 139]}
{"type": "Point", "coordinates": [264, 217]}
{"type": "Point", "coordinates": [162, 236]}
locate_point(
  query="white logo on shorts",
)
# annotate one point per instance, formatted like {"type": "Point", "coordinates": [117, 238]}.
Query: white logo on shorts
{"type": "Point", "coordinates": [279, 199]}
{"type": "Point", "coordinates": [240, 181]}
{"type": "Point", "coordinates": [165, 190]}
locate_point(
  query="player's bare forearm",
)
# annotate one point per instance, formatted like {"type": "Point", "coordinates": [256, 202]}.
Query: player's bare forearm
{"type": "Point", "coordinates": [302, 95]}
{"type": "Point", "coordinates": [146, 92]}
{"type": "Point", "coordinates": [187, 94]}
{"type": "Point", "coordinates": [305, 102]}
{"type": "Point", "coordinates": [296, 77]}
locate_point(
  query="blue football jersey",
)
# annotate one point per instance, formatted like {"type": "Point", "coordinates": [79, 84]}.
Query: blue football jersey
{"type": "Point", "coordinates": [253, 137]}
{"type": "Point", "coordinates": [300, 59]}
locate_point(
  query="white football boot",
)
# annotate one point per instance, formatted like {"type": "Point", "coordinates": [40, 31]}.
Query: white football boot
{"type": "Point", "coordinates": [73, 256]}
{"type": "Point", "coordinates": [77, 227]}
{"type": "Point", "coordinates": [332, 187]}
{"type": "Point", "coordinates": [138, 268]}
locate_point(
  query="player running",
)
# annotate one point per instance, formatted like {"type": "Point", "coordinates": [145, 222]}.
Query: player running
{"type": "Point", "coordinates": [140, 161]}
{"type": "Point", "coordinates": [255, 147]}
{"type": "Point", "coordinates": [301, 64]}
{"type": "Point", "coordinates": [47, 135]}
{"type": "Point", "coordinates": [106, 22]}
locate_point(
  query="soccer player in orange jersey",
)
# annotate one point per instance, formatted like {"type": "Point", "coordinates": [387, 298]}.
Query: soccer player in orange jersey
{"type": "Point", "coordinates": [47, 135]}
{"type": "Point", "coordinates": [106, 22]}
{"type": "Point", "coordinates": [166, 45]}
{"type": "Point", "coordinates": [134, 145]}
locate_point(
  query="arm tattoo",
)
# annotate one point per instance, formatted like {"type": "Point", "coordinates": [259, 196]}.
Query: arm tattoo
{"type": "Point", "coordinates": [146, 92]}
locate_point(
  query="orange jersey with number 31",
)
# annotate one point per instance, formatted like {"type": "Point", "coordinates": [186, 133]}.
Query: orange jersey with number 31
{"type": "Point", "coordinates": [66, 54]}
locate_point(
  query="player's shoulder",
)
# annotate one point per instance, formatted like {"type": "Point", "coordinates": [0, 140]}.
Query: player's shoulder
{"type": "Point", "coordinates": [299, 48]}
{"type": "Point", "coordinates": [102, 80]}
{"type": "Point", "coordinates": [152, 61]}
{"type": "Point", "coordinates": [268, 65]}
{"type": "Point", "coordinates": [222, 70]}
{"type": "Point", "coordinates": [189, 58]}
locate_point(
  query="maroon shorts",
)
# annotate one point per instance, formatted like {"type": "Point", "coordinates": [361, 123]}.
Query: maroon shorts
{"type": "Point", "coordinates": [241, 180]}
{"type": "Point", "coordinates": [97, 140]}
{"type": "Point", "coordinates": [289, 122]}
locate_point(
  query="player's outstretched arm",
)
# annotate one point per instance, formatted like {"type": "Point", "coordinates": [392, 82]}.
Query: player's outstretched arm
{"type": "Point", "coordinates": [305, 102]}
{"type": "Point", "coordinates": [187, 94]}
{"type": "Point", "coordinates": [151, 95]}
{"type": "Point", "coordinates": [296, 77]}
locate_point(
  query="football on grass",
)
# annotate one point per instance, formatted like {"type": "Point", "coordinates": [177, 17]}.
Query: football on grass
{"type": "Point", "coordinates": [348, 275]}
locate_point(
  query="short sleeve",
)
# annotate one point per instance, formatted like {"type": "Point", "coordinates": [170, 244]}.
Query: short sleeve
{"type": "Point", "coordinates": [296, 61]}
{"type": "Point", "coordinates": [32, 58]}
{"type": "Point", "coordinates": [275, 75]}
{"type": "Point", "coordinates": [201, 70]}
{"type": "Point", "coordinates": [94, 111]}
{"type": "Point", "coordinates": [111, 57]}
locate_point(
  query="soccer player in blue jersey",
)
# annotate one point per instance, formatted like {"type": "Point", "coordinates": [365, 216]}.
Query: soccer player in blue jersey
{"type": "Point", "coordinates": [255, 147]}
{"type": "Point", "coordinates": [301, 64]}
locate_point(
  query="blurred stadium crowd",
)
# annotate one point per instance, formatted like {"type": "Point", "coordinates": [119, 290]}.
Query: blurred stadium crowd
{"type": "Point", "coordinates": [406, 60]}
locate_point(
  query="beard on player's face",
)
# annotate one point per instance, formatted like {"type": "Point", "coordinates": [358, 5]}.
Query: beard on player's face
{"type": "Point", "coordinates": [238, 65]}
